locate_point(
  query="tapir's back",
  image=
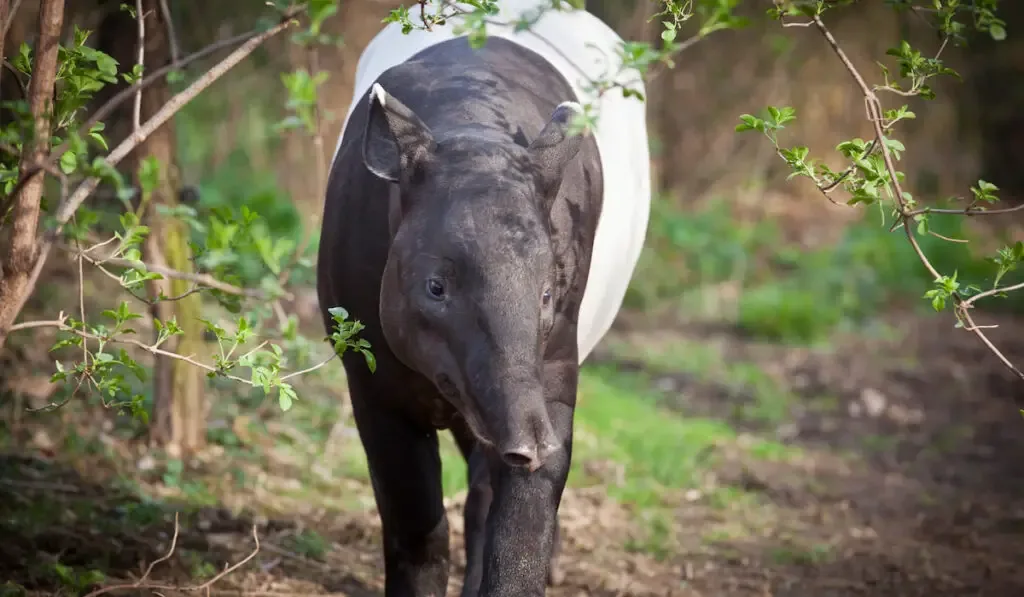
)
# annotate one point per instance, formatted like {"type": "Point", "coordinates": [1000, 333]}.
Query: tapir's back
{"type": "Point", "coordinates": [562, 38]}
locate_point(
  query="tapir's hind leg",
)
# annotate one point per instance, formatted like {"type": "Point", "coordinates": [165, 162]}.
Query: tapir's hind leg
{"type": "Point", "coordinates": [405, 469]}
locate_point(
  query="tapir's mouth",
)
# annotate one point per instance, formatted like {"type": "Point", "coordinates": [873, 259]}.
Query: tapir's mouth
{"type": "Point", "coordinates": [451, 392]}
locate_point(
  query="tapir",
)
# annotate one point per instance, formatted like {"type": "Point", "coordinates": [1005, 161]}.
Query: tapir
{"type": "Point", "coordinates": [486, 244]}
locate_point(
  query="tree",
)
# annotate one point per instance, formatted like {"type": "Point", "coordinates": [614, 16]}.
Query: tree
{"type": "Point", "coordinates": [22, 251]}
{"type": "Point", "coordinates": [72, 148]}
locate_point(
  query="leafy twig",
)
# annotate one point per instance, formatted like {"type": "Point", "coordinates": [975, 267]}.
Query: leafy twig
{"type": "Point", "coordinates": [874, 112]}
{"type": "Point", "coordinates": [154, 348]}
{"type": "Point", "coordinates": [80, 194]}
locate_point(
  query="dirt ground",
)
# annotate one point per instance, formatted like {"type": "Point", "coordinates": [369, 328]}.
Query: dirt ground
{"type": "Point", "coordinates": [929, 503]}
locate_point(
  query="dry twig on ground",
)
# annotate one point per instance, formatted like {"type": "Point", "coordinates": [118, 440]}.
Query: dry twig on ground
{"type": "Point", "coordinates": [144, 583]}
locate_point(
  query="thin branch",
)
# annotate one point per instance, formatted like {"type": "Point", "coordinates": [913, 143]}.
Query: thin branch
{"type": "Point", "coordinates": [203, 279]}
{"type": "Point", "coordinates": [970, 210]}
{"type": "Point", "coordinates": [81, 299]}
{"type": "Point", "coordinates": [947, 238]}
{"type": "Point", "coordinates": [964, 312]}
{"type": "Point", "coordinates": [137, 108]}
{"type": "Point", "coordinates": [874, 114]}
{"type": "Point", "coordinates": [970, 301]}
{"type": "Point", "coordinates": [309, 369]}
{"type": "Point", "coordinates": [175, 104]}
{"type": "Point", "coordinates": [172, 37]}
{"type": "Point", "coordinates": [10, 17]}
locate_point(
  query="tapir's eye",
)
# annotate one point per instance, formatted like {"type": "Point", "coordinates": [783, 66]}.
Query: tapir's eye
{"type": "Point", "coordinates": [546, 297]}
{"type": "Point", "coordinates": [435, 288]}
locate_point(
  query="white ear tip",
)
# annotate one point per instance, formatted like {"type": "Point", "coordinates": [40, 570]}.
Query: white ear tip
{"type": "Point", "coordinates": [377, 92]}
{"type": "Point", "coordinates": [575, 106]}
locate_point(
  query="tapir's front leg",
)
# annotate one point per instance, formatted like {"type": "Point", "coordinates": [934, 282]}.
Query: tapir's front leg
{"type": "Point", "coordinates": [523, 518]}
{"type": "Point", "coordinates": [405, 469]}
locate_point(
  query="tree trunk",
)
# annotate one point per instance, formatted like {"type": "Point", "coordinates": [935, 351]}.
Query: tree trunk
{"type": "Point", "coordinates": [20, 254]}
{"type": "Point", "coordinates": [179, 420]}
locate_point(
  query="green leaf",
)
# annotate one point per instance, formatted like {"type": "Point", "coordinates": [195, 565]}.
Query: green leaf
{"type": "Point", "coordinates": [149, 174]}
{"type": "Point", "coordinates": [371, 361]}
{"type": "Point", "coordinates": [286, 396]}
{"type": "Point", "coordinates": [68, 162]}
{"type": "Point", "coordinates": [749, 122]}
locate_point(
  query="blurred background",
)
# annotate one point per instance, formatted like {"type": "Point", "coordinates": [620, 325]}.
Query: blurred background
{"type": "Point", "coordinates": [777, 410]}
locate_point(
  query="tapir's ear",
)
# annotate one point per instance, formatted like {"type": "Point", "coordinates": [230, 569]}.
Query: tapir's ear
{"type": "Point", "coordinates": [556, 145]}
{"type": "Point", "coordinates": [396, 140]}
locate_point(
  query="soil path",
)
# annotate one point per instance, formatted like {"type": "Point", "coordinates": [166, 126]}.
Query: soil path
{"type": "Point", "coordinates": [910, 484]}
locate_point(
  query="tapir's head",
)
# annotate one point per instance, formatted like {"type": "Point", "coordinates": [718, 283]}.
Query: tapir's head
{"type": "Point", "coordinates": [467, 297]}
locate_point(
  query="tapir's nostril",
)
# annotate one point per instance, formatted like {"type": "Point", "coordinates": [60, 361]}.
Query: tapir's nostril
{"type": "Point", "coordinates": [522, 456]}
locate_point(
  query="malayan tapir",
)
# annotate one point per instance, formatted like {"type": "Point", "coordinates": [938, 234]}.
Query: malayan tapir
{"type": "Point", "coordinates": [487, 248]}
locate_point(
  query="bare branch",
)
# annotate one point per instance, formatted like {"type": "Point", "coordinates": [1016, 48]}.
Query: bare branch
{"type": "Point", "coordinates": [309, 369]}
{"type": "Point", "coordinates": [172, 37]}
{"type": "Point", "coordinates": [964, 313]}
{"type": "Point", "coordinates": [10, 18]}
{"type": "Point", "coordinates": [970, 301]}
{"type": "Point", "coordinates": [137, 108]}
{"type": "Point", "coordinates": [970, 210]}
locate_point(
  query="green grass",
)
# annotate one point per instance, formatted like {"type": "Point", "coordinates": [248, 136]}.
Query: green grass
{"type": "Point", "coordinates": [623, 424]}
{"type": "Point", "coordinates": [768, 402]}
{"type": "Point", "coordinates": [788, 293]}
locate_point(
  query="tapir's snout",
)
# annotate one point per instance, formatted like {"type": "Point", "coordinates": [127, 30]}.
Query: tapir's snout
{"type": "Point", "coordinates": [529, 439]}
{"type": "Point", "coordinates": [513, 413]}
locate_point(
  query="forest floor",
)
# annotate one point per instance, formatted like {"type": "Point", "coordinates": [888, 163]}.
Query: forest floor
{"type": "Point", "coordinates": [706, 464]}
